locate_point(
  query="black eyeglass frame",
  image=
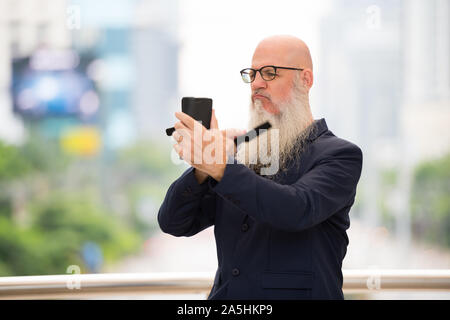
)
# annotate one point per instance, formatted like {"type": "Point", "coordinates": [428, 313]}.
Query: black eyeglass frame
{"type": "Point", "coordinates": [259, 70]}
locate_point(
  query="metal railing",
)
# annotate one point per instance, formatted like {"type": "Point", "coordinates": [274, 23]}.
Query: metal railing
{"type": "Point", "coordinates": [112, 285]}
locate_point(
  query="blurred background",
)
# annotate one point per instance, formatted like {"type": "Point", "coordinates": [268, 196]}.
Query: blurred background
{"type": "Point", "coordinates": [88, 87]}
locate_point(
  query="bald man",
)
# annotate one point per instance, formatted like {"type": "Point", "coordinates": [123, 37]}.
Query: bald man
{"type": "Point", "coordinates": [280, 234]}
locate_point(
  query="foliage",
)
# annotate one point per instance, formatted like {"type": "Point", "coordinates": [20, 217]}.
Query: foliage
{"type": "Point", "coordinates": [12, 165]}
{"type": "Point", "coordinates": [430, 201]}
{"type": "Point", "coordinates": [145, 172]}
{"type": "Point", "coordinates": [42, 185]}
{"type": "Point", "coordinates": [36, 155]}
{"type": "Point", "coordinates": [148, 159]}
{"type": "Point", "coordinates": [57, 223]}
{"type": "Point", "coordinates": [388, 182]}
{"type": "Point", "coordinates": [60, 226]}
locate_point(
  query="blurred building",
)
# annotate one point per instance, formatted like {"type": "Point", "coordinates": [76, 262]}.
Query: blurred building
{"type": "Point", "coordinates": [426, 78]}
{"type": "Point", "coordinates": [137, 67]}
{"type": "Point", "coordinates": [381, 60]}
{"type": "Point", "coordinates": [425, 112]}
{"type": "Point", "coordinates": [26, 25]}
{"type": "Point", "coordinates": [137, 48]}
{"type": "Point", "coordinates": [361, 69]}
{"type": "Point", "coordinates": [361, 82]}
{"type": "Point", "coordinates": [136, 70]}
{"type": "Point", "coordinates": [385, 70]}
{"type": "Point", "coordinates": [156, 50]}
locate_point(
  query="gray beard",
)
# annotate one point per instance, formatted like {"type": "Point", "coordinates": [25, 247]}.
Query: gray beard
{"type": "Point", "coordinates": [294, 125]}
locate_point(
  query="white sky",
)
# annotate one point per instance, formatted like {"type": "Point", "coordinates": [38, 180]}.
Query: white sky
{"type": "Point", "coordinates": [218, 39]}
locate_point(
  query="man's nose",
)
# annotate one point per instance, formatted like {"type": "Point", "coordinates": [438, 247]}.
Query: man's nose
{"type": "Point", "coordinates": [259, 82]}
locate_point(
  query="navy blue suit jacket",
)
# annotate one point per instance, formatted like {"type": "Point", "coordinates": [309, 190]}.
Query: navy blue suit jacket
{"type": "Point", "coordinates": [282, 238]}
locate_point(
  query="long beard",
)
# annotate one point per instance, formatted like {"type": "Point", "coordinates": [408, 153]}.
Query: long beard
{"type": "Point", "coordinates": [294, 125]}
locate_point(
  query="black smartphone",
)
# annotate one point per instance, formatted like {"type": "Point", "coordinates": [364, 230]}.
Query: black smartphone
{"type": "Point", "coordinates": [198, 108]}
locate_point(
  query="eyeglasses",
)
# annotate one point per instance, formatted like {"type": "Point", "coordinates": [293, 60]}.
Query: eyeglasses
{"type": "Point", "coordinates": [267, 73]}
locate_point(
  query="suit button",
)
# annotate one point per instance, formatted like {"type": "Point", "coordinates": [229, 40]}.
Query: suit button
{"type": "Point", "coordinates": [235, 272]}
{"type": "Point", "coordinates": [244, 227]}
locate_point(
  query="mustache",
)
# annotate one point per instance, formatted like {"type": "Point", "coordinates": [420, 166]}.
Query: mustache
{"type": "Point", "coordinates": [261, 93]}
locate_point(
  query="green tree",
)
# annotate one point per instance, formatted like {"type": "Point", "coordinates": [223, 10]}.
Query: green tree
{"type": "Point", "coordinates": [59, 222]}
{"type": "Point", "coordinates": [12, 164]}
{"type": "Point", "coordinates": [430, 201]}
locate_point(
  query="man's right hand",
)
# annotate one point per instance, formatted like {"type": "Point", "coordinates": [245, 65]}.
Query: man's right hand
{"type": "Point", "coordinates": [231, 134]}
{"type": "Point", "coordinates": [201, 176]}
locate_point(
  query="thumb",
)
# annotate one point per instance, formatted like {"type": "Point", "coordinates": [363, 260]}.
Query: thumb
{"type": "Point", "coordinates": [214, 123]}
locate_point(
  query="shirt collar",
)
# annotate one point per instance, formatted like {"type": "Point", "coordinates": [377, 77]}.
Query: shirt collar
{"type": "Point", "coordinates": [320, 128]}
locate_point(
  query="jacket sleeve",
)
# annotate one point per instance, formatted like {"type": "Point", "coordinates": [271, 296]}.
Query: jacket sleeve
{"type": "Point", "coordinates": [322, 191]}
{"type": "Point", "coordinates": [188, 208]}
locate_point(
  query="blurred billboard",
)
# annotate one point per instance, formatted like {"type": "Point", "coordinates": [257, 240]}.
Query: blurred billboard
{"type": "Point", "coordinates": [54, 83]}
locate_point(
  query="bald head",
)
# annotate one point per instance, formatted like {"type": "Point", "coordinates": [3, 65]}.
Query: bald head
{"type": "Point", "coordinates": [281, 51]}
{"type": "Point", "coordinates": [286, 50]}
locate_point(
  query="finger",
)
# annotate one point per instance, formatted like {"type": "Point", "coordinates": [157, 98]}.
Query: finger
{"type": "Point", "coordinates": [178, 150]}
{"type": "Point", "coordinates": [177, 136]}
{"type": "Point", "coordinates": [183, 134]}
{"type": "Point", "coordinates": [214, 123]}
{"type": "Point", "coordinates": [187, 120]}
{"type": "Point", "coordinates": [180, 125]}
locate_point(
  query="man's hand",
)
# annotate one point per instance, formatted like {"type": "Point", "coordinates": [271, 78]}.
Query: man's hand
{"type": "Point", "coordinates": [230, 134]}
{"type": "Point", "coordinates": [200, 176]}
{"type": "Point", "coordinates": [206, 150]}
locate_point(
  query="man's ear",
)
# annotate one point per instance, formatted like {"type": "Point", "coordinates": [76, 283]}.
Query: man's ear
{"type": "Point", "coordinates": [307, 78]}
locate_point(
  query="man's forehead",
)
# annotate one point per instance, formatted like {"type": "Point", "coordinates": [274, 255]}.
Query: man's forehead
{"type": "Point", "coordinates": [256, 64]}
{"type": "Point", "coordinates": [270, 56]}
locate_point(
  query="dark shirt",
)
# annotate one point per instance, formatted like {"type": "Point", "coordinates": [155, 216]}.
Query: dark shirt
{"type": "Point", "coordinates": [278, 238]}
